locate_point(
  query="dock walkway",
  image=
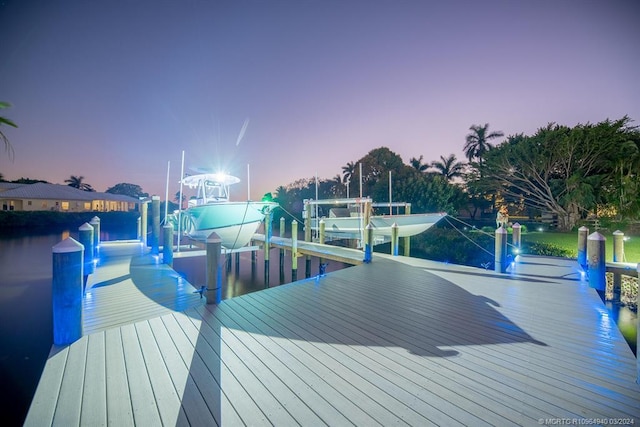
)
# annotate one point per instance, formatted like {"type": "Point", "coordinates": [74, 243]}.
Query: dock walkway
{"type": "Point", "coordinates": [399, 341]}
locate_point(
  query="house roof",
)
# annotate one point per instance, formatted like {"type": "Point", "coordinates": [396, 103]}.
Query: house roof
{"type": "Point", "coordinates": [4, 186]}
{"type": "Point", "coordinates": [42, 190]}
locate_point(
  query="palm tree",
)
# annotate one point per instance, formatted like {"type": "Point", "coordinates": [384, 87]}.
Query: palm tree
{"type": "Point", "coordinates": [449, 168]}
{"type": "Point", "coordinates": [348, 171]}
{"type": "Point", "coordinates": [3, 137]}
{"type": "Point", "coordinates": [478, 142]}
{"type": "Point", "coordinates": [417, 164]}
{"type": "Point", "coordinates": [76, 182]}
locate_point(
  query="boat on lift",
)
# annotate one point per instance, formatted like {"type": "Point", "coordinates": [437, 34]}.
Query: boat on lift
{"type": "Point", "coordinates": [212, 210]}
{"type": "Point", "coordinates": [347, 219]}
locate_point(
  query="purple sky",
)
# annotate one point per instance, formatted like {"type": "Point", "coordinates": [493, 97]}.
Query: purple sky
{"type": "Point", "coordinates": [112, 90]}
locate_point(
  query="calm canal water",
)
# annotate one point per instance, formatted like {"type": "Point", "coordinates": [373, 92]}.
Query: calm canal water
{"type": "Point", "coordinates": [26, 330]}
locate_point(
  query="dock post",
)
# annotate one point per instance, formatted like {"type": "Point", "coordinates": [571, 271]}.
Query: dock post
{"type": "Point", "coordinates": [583, 232]}
{"type": "Point", "coordinates": [596, 259]}
{"type": "Point", "coordinates": [500, 261]}
{"type": "Point", "coordinates": [214, 272]}
{"type": "Point", "coordinates": [394, 239]}
{"type": "Point", "coordinates": [144, 214]}
{"type": "Point", "coordinates": [368, 244]}
{"type": "Point", "coordinates": [237, 263]}
{"type": "Point", "coordinates": [321, 238]}
{"type": "Point", "coordinates": [618, 256]}
{"type": "Point", "coordinates": [267, 246]}
{"type": "Point", "coordinates": [407, 240]}
{"type": "Point", "coordinates": [167, 244]}
{"type": "Point", "coordinates": [282, 251]}
{"type": "Point", "coordinates": [516, 238]}
{"type": "Point", "coordinates": [155, 224]}
{"type": "Point", "coordinates": [294, 250]}
{"type": "Point", "coordinates": [307, 238]}
{"type": "Point", "coordinates": [66, 291]}
{"type": "Point", "coordinates": [95, 223]}
{"type": "Point", "coordinates": [85, 237]}
{"type": "Point", "coordinates": [139, 235]}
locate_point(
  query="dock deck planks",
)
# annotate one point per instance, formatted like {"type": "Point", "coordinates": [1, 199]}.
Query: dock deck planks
{"type": "Point", "coordinates": [398, 341]}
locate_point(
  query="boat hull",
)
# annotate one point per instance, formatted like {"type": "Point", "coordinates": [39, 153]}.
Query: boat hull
{"type": "Point", "coordinates": [234, 222]}
{"type": "Point", "coordinates": [408, 225]}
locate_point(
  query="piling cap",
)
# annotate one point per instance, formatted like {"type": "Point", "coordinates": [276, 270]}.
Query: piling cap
{"type": "Point", "coordinates": [67, 245]}
{"type": "Point", "coordinates": [583, 228]}
{"type": "Point", "coordinates": [155, 197]}
{"type": "Point", "coordinates": [95, 219]}
{"type": "Point", "coordinates": [214, 238]}
{"type": "Point", "coordinates": [596, 236]}
{"type": "Point", "coordinates": [501, 230]}
{"type": "Point", "coordinates": [86, 227]}
{"type": "Point", "coordinates": [516, 225]}
{"type": "Point", "coordinates": [618, 233]}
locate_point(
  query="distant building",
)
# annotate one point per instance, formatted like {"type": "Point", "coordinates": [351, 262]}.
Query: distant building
{"type": "Point", "coordinates": [61, 198]}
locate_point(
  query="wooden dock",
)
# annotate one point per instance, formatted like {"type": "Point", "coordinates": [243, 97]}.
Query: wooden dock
{"type": "Point", "coordinates": [399, 341]}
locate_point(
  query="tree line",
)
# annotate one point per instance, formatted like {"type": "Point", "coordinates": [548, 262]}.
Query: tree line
{"type": "Point", "coordinates": [590, 170]}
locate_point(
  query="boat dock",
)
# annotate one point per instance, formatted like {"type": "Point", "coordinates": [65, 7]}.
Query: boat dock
{"type": "Point", "coordinates": [399, 341]}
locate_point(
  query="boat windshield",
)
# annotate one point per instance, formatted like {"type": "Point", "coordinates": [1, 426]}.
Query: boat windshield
{"type": "Point", "coordinates": [212, 191]}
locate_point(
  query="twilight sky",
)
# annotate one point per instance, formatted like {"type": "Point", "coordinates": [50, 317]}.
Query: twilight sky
{"type": "Point", "coordinates": [113, 90]}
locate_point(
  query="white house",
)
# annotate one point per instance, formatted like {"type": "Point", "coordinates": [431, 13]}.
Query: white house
{"type": "Point", "coordinates": [55, 197]}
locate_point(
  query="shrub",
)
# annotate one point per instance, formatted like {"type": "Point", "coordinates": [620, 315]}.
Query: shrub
{"type": "Point", "coordinates": [547, 249]}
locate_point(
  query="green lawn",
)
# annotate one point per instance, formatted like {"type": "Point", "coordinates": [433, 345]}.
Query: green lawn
{"type": "Point", "coordinates": [570, 242]}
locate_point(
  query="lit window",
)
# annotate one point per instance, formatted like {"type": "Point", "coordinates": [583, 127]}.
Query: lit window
{"type": "Point", "coordinates": [87, 206]}
{"type": "Point", "coordinates": [65, 206]}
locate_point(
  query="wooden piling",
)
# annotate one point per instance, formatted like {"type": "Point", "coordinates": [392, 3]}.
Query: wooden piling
{"type": "Point", "coordinates": [66, 291]}
{"type": "Point", "coordinates": [267, 246]}
{"type": "Point", "coordinates": [500, 261]}
{"type": "Point", "coordinates": [155, 224]}
{"type": "Point", "coordinates": [321, 238]}
{"type": "Point", "coordinates": [618, 256]}
{"type": "Point", "coordinates": [167, 244]}
{"type": "Point", "coordinates": [144, 213]}
{"type": "Point", "coordinates": [596, 261]}
{"type": "Point", "coordinates": [516, 238]}
{"type": "Point", "coordinates": [407, 240]}
{"type": "Point", "coordinates": [85, 237]}
{"type": "Point", "coordinates": [282, 251]}
{"type": "Point", "coordinates": [294, 250]}
{"type": "Point", "coordinates": [583, 232]}
{"type": "Point", "coordinates": [307, 238]}
{"type": "Point", "coordinates": [95, 223]}
{"type": "Point", "coordinates": [368, 244]}
{"type": "Point", "coordinates": [214, 271]}
{"type": "Point", "coordinates": [394, 239]}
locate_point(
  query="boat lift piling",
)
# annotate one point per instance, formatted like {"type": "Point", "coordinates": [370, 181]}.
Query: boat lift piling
{"type": "Point", "coordinates": [155, 225]}
{"type": "Point", "coordinates": [85, 237]}
{"type": "Point", "coordinates": [307, 238]}
{"type": "Point", "coordinates": [407, 239]}
{"type": "Point", "coordinates": [596, 259]}
{"type": "Point", "coordinates": [282, 251]}
{"type": "Point", "coordinates": [294, 250]}
{"type": "Point", "coordinates": [618, 256]}
{"type": "Point", "coordinates": [67, 290]}
{"type": "Point", "coordinates": [167, 244]}
{"type": "Point", "coordinates": [144, 213]}
{"type": "Point", "coordinates": [214, 269]}
{"type": "Point", "coordinates": [267, 233]}
{"type": "Point", "coordinates": [95, 223]}
{"type": "Point", "coordinates": [583, 232]}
